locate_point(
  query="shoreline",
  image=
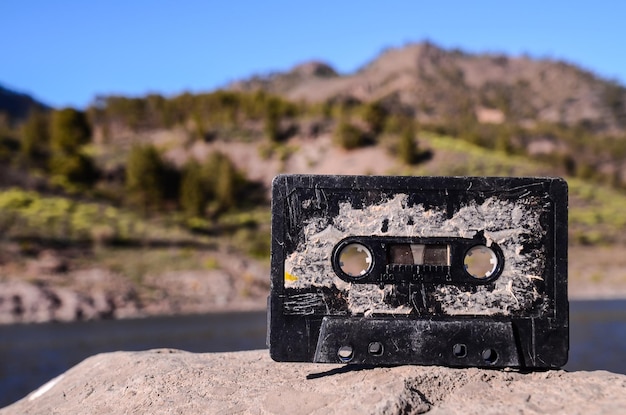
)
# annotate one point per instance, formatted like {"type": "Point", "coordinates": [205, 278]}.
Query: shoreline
{"type": "Point", "coordinates": [602, 293]}
{"type": "Point", "coordinates": [49, 294]}
{"type": "Point", "coordinates": [598, 294]}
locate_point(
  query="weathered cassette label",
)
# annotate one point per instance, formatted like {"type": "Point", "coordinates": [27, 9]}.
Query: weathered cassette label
{"type": "Point", "coordinates": [364, 250]}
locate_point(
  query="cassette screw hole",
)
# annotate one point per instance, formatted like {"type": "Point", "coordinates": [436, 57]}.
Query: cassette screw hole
{"type": "Point", "coordinates": [345, 353]}
{"type": "Point", "coordinates": [459, 350]}
{"type": "Point", "coordinates": [375, 348]}
{"type": "Point", "coordinates": [480, 261]}
{"type": "Point", "coordinates": [490, 356]}
{"type": "Point", "coordinates": [355, 260]}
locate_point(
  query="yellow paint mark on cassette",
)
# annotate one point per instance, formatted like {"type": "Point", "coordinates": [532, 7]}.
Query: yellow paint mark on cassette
{"type": "Point", "coordinates": [289, 277]}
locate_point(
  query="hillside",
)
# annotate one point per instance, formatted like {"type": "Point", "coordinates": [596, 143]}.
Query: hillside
{"type": "Point", "coordinates": [160, 205]}
{"type": "Point", "coordinates": [540, 107]}
{"type": "Point", "coordinates": [15, 106]}
{"type": "Point", "coordinates": [436, 85]}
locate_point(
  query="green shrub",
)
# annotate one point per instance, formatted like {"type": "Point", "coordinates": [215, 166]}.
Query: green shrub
{"type": "Point", "coordinates": [69, 133]}
{"type": "Point", "coordinates": [69, 130]}
{"type": "Point", "coordinates": [193, 190]}
{"type": "Point", "coordinates": [375, 115]}
{"type": "Point", "coordinates": [255, 242]}
{"type": "Point", "coordinates": [348, 136]}
{"type": "Point", "coordinates": [215, 187]}
{"type": "Point", "coordinates": [407, 148]}
{"type": "Point", "coordinates": [145, 177]}
{"type": "Point", "coordinates": [272, 121]}
{"type": "Point", "coordinates": [75, 168]}
{"type": "Point", "coordinates": [35, 136]}
{"type": "Point", "coordinates": [224, 182]}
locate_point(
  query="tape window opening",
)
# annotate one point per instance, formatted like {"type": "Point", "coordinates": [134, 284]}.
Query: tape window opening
{"type": "Point", "coordinates": [419, 254]}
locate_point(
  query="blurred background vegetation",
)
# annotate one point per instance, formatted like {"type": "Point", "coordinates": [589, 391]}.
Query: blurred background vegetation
{"type": "Point", "coordinates": [96, 166]}
{"type": "Point", "coordinates": [131, 178]}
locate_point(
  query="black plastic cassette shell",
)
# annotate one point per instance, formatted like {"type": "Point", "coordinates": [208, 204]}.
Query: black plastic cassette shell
{"type": "Point", "coordinates": [419, 341]}
{"type": "Point", "coordinates": [537, 340]}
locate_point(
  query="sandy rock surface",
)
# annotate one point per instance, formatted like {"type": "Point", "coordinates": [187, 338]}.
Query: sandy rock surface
{"type": "Point", "coordinates": [175, 382]}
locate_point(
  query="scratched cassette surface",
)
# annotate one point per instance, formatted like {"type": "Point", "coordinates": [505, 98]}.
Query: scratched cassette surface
{"type": "Point", "coordinates": [457, 271]}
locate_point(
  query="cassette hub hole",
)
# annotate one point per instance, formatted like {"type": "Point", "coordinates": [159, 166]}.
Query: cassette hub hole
{"type": "Point", "coordinates": [490, 356]}
{"type": "Point", "coordinates": [480, 261]}
{"type": "Point", "coordinates": [355, 260]}
{"type": "Point", "coordinates": [459, 350]}
{"type": "Point", "coordinates": [345, 353]}
{"type": "Point", "coordinates": [375, 348]}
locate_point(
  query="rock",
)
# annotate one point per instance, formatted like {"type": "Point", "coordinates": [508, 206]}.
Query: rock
{"type": "Point", "coordinates": [96, 293]}
{"type": "Point", "coordinates": [25, 302]}
{"type": "Point", "coordinates": [314, 69]}
{"type": "Point", "coordinates": [175, 382]}
{"type": "Point", "coordinates": [48, 262]}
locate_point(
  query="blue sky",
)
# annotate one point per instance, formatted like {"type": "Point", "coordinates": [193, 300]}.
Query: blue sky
{"type": "Point", "coordinates": [65, 52]}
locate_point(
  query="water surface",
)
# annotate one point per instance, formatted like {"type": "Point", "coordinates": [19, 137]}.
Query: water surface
{"type": "Point", "coordinates": [30, 355]}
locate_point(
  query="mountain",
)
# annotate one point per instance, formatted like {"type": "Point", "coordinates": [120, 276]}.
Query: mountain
{"type": "Point", "coordinates": [437, 85]}
{"type": "Point", "coordinates": [17, 105]}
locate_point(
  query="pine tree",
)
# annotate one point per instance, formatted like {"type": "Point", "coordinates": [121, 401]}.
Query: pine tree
{"type": "Point", "coordinates": [224, 182]}
{"type": "Point", "coordinates": [193, 190]}
{"type": "Point", "coordinates": [69, 130]}
{"type": "Point", "coordinates": [35, 137]}
{"type": "Point", "coordinates": [225, 185]}
{"type": "Point", "coordinates": [375, 116]}
{"type": "Point", "coordinates": [145, 176]}
{"type": "Point", "coordinates": [272, 121]}
{"type": "Point", "coordinates": [76, 168]}
{"type": "Point", "coordinates": [348, 136]}
{"type": "Point", "coordinates": [407, 148]}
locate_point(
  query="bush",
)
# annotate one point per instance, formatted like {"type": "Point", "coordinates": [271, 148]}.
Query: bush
{"type": "Point", "coordinates": [375, 115]}
{"type": "Point", "coordinates": [227, 182]}
{"type": "Point", "coordinates": [35, 136]}
{"type": "Point", "coordinates": [9, 147]}
{"type": "Point", "coordinates": [69, 130]}
{"type": "Point", "coordinates": [272, 121]}
{"type": "Point", "coordinates": [349, 136]}
{"type": "Point", "coordinates": [146, 175]}
{"type": "Point", "coordinates": [193, 190]}
{"type": "Point", "coordinates": [215, 187]}
{"type": "Point", "coordinates": [224, 182]}
{"type": "Point", "coordinates": [407, 148]}
{"type": "Point", "coordinates": [75, 168]}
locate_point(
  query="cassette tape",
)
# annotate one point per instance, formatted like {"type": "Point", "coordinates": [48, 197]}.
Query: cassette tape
{"type": "Point", "coordinates": [455, 271]}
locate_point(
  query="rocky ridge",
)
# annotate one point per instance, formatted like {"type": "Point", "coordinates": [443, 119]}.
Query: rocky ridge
{"type": "Point", "coordinates": [438, 85]}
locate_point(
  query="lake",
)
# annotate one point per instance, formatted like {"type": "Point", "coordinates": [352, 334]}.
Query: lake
{"type": "Point", "coordinates": [30, 355]}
